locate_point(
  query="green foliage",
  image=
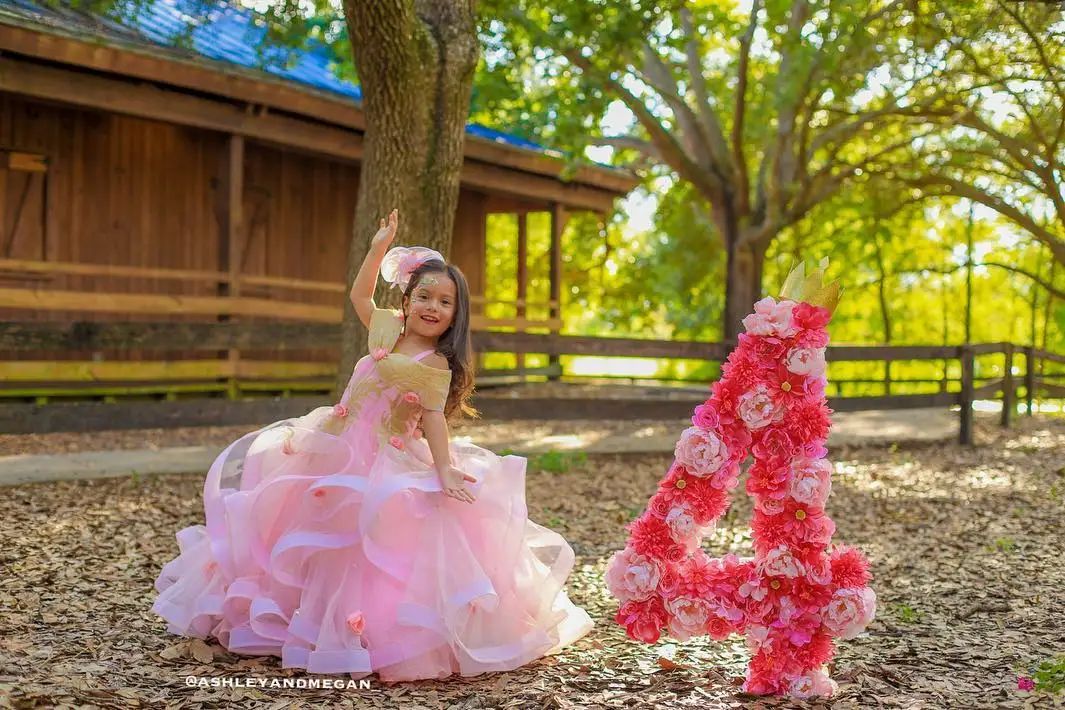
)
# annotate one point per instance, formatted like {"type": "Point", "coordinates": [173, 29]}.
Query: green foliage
{"type": "Point", "coordinates": [1050, 675]}
{"type": "Point", "coordinates": [557, 461]}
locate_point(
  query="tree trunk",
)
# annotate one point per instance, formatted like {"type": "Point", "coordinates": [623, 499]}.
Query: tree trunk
{"type": "Point", "coordinates": [743, 284]}
{"type": "Point", "coordinates": [415, 61]}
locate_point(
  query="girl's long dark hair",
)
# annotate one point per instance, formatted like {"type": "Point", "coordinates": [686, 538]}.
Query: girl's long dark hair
{"type": "Point", "coordinates": [454, 344]}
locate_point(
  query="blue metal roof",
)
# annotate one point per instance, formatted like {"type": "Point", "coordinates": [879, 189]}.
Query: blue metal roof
{"type": "Point", "coordinates": [219, 32]}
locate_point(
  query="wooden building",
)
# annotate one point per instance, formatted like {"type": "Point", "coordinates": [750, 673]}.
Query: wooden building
{"type": "Point", "coordinates": [143, 183]}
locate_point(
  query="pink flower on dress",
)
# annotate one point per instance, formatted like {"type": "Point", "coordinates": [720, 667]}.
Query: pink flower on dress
{"type": "Point", "coordinates": [631, 576]}
{"type": "Point", "coordinates": [701, 452]}
{"type": "Point", "coordinates": [379, 354]}
{"type": "Point", "coordinates": [340, 409]}
{"type": "Point", "coordinates": [850, 611]}
{"type": "Point", "coordinates": [811, 481]}
{"type": "Point", "coordinates": [687, 617]}
{"type": "Point", "coordinates": [771, 318]}
{"type": "Point", "coordinates": [815, 684]}
{"type": "Point", "coordinates": [396, 442]}
{"type": "Point", "coordinates": [757, 408]}
{"type": "Point", "coordinates": [412, 398]}
{"type": "Point", "coordinates": [356, 622]}
{"type": "Point", "coordinates": [806, 361]}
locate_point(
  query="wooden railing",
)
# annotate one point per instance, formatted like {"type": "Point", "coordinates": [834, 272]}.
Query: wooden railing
{"type": "Point", "coordinates": [171, 379]}
{"type": "Point", "coordinates": [271, 315]}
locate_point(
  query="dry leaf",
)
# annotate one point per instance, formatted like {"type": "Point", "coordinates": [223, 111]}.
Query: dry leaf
{"type": "Point", "coordinates": [201, 651]}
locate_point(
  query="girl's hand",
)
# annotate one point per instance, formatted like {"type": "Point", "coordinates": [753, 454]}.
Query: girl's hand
{"type": "Point", "coordinates": [387, 232]}
{"type": "Point", "coordinates": [453, 480]}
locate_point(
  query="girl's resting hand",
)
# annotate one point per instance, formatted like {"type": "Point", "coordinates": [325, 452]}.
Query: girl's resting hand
{"type": "Point", "coordinates": [387, 232]}
{"type": "Point", "coordinates": [452, 481]}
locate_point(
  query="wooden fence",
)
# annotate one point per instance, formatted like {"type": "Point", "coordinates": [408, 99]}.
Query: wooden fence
{"type": "Point", "coordinates": [960, 392]}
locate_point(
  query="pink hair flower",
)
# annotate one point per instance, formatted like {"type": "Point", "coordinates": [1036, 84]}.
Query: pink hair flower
{"type": "Point", "coordinates": [400, 263]}
{"type": "Point", "coordinates": [379, 354]}
{"type": "Point", "coordinates": [356, 622]}
{"type": "Point", "coordinates": [340, 409]}
{"type": "Point", "coordinates": [412, 398]}
{"type": "Point", "coordinates": [396, 442]}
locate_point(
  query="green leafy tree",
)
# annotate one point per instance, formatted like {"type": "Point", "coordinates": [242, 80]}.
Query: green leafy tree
{"type": "Point", "coordinates": [764, 114]}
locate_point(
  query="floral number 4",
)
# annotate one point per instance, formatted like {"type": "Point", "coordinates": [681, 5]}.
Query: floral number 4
{"type": "Point", "coordinates": [797, 594]}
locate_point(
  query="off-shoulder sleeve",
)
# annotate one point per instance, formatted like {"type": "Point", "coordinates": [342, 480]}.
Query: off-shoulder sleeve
{"type": "Point", "coordinates": [385, 328]}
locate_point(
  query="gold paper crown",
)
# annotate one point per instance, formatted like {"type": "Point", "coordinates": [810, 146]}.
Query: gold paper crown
{"type": "Point", "coordinates": [810, 289]}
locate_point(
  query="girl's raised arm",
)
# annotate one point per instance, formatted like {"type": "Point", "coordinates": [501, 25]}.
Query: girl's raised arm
{"type": "Point", "coordinates": [366, 280]}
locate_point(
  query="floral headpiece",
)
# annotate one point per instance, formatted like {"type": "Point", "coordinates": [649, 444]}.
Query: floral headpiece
{"type": "Point", "coordinates": [401, 262]}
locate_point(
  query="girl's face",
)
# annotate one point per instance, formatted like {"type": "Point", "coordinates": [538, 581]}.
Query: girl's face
{"type": "Point", "coordinates": [431, 305]}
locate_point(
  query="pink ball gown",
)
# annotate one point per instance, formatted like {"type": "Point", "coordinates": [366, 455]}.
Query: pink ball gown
{"type": "Point", "coordinates": [330, 544]}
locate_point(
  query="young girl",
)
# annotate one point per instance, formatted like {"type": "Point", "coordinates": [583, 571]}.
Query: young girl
{"type": "Point", "coordinates": [357, 538]}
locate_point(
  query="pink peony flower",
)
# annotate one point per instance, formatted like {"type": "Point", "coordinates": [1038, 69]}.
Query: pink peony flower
{"type": "Point", "coordinates": [775, 445]}
{"type": "Point", "coordinates": [643, 620]}
{"type": "Point", "coordinates": [412, 398]}
{"type": "Point", "coordinates": [700, 452]}
{"type": "Point", "coordinates": [379, 354]}
{"type": "Point", "coordinates": [356, 622]}
{"type": "Point", "coordinates": [771, 318]}
{"type": "Point", "coordinates": [769, 506]}
{"type": "Point", "coordinates": [850, 611]}
{"type": "Point", "coordinates": [758, 409]}
{"type": "Point", "coordinates": [779, 562]}
{"type": "Point", "coordinates": [687, 617]}
{"type": "Point", "coordinates": [809, 362]}
{"type": "Point", "coordinates": [669, 581]}
{"type": "Point", "coordinates": [686, 530]}
{"type": "Point", "coordinates": [815, 684]}
{"type": "Point", "coordinates": [631, 576]}
{"type": "Point", "coordinates": [705, 417]}
{"type": "Point", "coordinates": [811, 481]}
{"type": "Point", "coordinates": [396, 442]}
{"type": "Point", "coordinates": [1025, 683]}
{"type": "Point", "coordinates": [340, 409]}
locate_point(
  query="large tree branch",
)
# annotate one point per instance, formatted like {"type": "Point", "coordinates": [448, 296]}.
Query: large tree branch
{"type": "Point", "coordinates": [739, 112]}
{"type": "Point", "coordinates": [785, 156]}
{"type": "Point", "coordinates": [948, 270]}
{"type": "Point", "coordinates": [957, 188]}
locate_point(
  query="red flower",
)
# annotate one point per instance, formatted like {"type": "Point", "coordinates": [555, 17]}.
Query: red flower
{"type": "Point", "coordinates": [766, 674]}
{"type": "Point", "coordinates": [765, 350]}
{"type": "Point", "coordinates": [669, 581]}
{"type": "Point", "coordinates": [786, 387]}
{"type": "Point", "coordinates": [775, 445]}
{"type": "Point", "coordinates": [719, 629]}
{"type": "Point", "coordinates": [651, 536]}
{"type": "Point", "coordinates": [814, 654]}
{"type": "Point", "coordinates": [808, 421]}
{"type": "Point", "coordinates": [811, 317]}
{"type": "Point", "coordinates": [809, 596]}
{"type": "Point", "coordinates": [811, 339]}
{"type": "Point", "coordinates": [643, 620]}
{"type": "Point", "coordinates": [660, 505]}
{"type": "Point", "coordinates": [850, 568]}
{"type": "Point", "coordinates": [771, 531]}
{"type": "Point", "coordinates": [707, 502]}
{"type": "Point", "coordinates": [768, 478]}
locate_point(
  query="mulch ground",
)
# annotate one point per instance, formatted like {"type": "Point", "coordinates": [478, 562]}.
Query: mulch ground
{"type": "Point", "coordinates": [966, 546]}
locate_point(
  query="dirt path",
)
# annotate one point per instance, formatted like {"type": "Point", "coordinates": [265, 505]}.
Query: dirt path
{"type": "Point", "coordinates": [966, 548]}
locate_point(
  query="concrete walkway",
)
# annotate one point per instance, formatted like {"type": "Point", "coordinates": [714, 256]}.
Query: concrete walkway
{"type": "Point", "coordinates": [849, 429]}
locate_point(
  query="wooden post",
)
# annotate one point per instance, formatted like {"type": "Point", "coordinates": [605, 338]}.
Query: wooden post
{"type": "Point", "coordinates": [231, 223]}
{"type": "Point", "coordinates": [965, 434]}
{"type": "Point", "coordinates": [1009, 401]}
{"type": "Point", "coordinates": [887, 377]}
{"type": "Point", "coordinates": [1029, 377]}
{"type": "Point", "coordinates": [557, 224]}
{"type": "Point", "coordinates": [523, 276]}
